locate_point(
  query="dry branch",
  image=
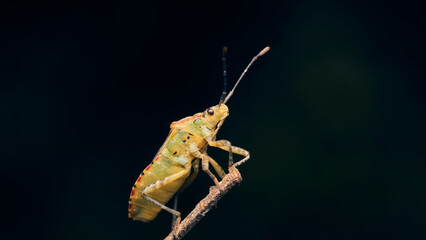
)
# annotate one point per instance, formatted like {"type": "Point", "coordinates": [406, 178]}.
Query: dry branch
{"type": "Point", "coordinates": [216, 193]}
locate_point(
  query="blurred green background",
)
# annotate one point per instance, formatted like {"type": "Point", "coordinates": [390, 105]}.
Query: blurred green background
{"type": "Point", "coordinates": [333, 115]}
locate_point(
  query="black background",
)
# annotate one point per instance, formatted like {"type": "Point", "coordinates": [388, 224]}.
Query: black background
{"type": "Point", "coordinates": [333, 115]}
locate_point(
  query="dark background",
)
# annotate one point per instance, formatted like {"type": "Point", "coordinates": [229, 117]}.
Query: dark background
{"type": "Point", "coordinates": [333, 115]}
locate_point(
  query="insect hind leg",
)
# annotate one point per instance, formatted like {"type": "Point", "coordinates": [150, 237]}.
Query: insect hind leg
{"type": "Point", "coordinates": [158, 185]}
{"type": "Point", "coordinates": [175, 213]}
{"type": "Point", "coordinates": [175, 203]}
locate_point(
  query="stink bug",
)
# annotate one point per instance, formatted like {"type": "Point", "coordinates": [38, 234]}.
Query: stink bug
{"type": "Point", "coordinates": [185, 146]}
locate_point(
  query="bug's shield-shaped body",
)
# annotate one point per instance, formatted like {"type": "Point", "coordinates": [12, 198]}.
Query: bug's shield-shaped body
{"type": "Point", "coordinates": [171, 168]}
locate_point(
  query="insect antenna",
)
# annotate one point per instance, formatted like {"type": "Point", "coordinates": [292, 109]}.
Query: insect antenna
{"type": "Point", "coordinates": [225, 82]}
{"type": "Point", "coordinates": [244, 72]}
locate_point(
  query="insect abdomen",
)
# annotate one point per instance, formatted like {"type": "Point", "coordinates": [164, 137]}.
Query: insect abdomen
{"type": "Point", "coordinates": [173, 158]}
{"type": "Point", "coordinates": [140, 208]}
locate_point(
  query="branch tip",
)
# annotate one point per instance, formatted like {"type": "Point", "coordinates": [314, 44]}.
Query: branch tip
{"type": "Point", "coordinates": [215, 194]}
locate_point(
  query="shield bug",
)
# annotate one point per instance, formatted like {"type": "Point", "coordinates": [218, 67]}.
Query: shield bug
{"type": "Point", "coordinates": [184, 149]}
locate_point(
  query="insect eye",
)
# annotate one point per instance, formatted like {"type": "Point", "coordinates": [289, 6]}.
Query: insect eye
{"type": "Point", "coordinates": [210, 111]}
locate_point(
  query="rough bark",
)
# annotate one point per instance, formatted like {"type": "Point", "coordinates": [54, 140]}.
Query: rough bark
{"type": "Point", "coordinates": [216, 193]}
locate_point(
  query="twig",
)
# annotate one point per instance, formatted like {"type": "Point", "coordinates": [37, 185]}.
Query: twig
{"type": "Point", "coordinates": [216, 193]}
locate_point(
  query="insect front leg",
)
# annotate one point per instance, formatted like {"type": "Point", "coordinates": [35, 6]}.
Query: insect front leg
{"type": "Point", "coordinates": [157, 185]}
{"type": "Point", "coordinates": [226, 145]}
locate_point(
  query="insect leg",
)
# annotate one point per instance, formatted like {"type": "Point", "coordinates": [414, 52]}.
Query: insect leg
{"type": "Point", "coordinates": [205, 160]}
{"type": "Point", "coordinates": [164, 207]}
{"type": "Point", "coordinates": [226, 145]}
{"type": "Point", "coordinates": [205, 167]}
{"type": "Point", "coordinates": [175, 203]}
{"type": "Point", "coordinates": [160, 184]}
{"type": "Point", "coordinates": [217, 168]}
{"type": "Point", "coordinates": [191, 178]}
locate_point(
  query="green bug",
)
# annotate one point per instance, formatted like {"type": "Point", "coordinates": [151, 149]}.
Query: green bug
{"type": "Point", "coordinates": [185, 146]}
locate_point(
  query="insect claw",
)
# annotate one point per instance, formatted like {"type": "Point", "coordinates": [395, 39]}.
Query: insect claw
{"type": "Point", "coordinates": [217, 183]}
